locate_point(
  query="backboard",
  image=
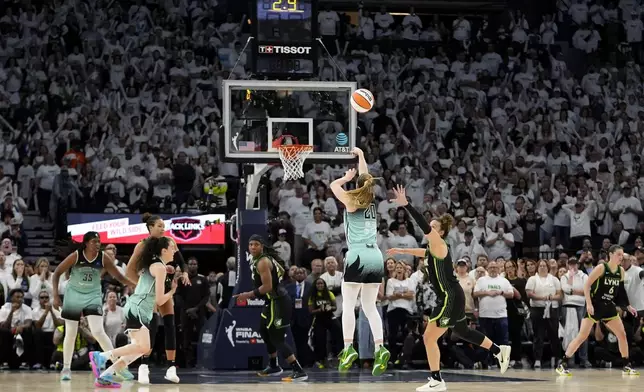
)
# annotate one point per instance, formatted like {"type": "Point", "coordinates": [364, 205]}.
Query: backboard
{"type": "Point", "coordinates": [257, 112]}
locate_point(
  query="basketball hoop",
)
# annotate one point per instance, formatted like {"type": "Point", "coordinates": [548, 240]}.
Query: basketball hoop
{"type": "Point", "coordinates": [292, 157]}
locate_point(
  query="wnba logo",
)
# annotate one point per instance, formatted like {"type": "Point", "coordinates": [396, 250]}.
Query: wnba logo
{"type": "Point", "coordinates": [342, 140]}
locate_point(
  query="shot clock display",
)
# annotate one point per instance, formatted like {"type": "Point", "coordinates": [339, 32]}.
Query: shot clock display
{"type": "Point", "coordinates": [284, 21]}
{"type": "Point", "coordinates": [285, 38]}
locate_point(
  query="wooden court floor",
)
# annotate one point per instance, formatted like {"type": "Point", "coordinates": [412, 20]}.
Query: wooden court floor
{"type": "Point", "coordinates": [610, 380]}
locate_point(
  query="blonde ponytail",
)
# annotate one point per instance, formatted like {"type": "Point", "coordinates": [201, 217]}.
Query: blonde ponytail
{"type": "Point", "coordinates": [363, 195]}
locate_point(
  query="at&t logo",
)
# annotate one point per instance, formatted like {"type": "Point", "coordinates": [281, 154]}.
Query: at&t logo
{"type": "Point", "coordinates": [342, 140]}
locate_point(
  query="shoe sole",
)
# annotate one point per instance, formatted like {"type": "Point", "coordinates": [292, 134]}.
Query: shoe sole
{"type": "Point", "coordinates": [176, 381]}
{"type": "Point", "coordinates": [271, 374]}
{"type": "Point", "coordinates": [299, 379]}
{"type": "Point", "coordinates": [380, 369]}
{"type": "Point", "coordinates": [107, 386]}
{"type": "Point", "coordinates": [347, 363]}
{"type": "Point", "coordinates": [422, 389]}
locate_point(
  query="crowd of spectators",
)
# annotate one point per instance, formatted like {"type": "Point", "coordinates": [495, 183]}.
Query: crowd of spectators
{"type": "Point", "coordinates": [526, 128]}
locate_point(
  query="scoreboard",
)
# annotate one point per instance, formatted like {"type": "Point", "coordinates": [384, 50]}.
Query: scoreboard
{"type": "Point", "coordinates": [285, 44]}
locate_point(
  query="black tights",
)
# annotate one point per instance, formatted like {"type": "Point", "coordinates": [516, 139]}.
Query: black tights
{"type": "Point", "coordinates": [470, 335]}
{"type": "Point", "coordinates": [397, 320]}
{"type": "Point", "coordinates": [275, 340]}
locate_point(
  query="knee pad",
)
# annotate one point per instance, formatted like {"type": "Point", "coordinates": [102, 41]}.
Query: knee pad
{"type": "Point", "coordinates": [170, 332]}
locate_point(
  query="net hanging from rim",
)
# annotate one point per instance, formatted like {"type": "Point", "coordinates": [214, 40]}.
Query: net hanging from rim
{"type": "Point", "coordinates": [292, 157]}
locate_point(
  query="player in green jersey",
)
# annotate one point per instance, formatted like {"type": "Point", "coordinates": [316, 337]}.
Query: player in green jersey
{"type": "Point", "coordinates": [84, 295]}
{"type": "Point", "coordinates": [364, 267]}
{"type": "Point", "coordinates": [450, 310]}
{"type": "Point", "coordinates": [149, 292]}
{"type": "Point", "coordinates": [604, 291]}
{"type": "Point", "coordinates": [268, 269]}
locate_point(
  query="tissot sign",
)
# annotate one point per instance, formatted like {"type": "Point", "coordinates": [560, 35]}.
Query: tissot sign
{"type": "Point", "coordinates": [279, 49]}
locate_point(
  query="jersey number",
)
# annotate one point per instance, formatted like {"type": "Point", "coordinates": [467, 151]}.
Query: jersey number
{"type": "Point", "coordinates": [87, 277]}
{"type": "Point", "coordinates": [611, 291]}
{"type": "Point", "coordinates": [370, 213]}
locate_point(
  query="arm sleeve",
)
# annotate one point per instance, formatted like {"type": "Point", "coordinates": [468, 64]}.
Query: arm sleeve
{"type": "Point", "coordinates": [419, 218]}
{"type": "Point", "coordinates": [180, 262]}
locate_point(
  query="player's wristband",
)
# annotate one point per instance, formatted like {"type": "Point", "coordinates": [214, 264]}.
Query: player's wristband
{"type": "Point", "coordinates": [257, 293]}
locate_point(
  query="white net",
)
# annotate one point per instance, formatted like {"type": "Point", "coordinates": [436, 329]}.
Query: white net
{"type": "Point", "coordinates": [293, 157]}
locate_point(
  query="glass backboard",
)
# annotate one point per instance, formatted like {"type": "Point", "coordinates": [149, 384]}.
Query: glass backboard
{"type": "Point", "coordinates": [257, 113]}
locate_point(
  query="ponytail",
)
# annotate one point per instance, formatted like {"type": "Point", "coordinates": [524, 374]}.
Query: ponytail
{"type": "Point", "coordinates": [281, 265]}
{"type": "Point", "coordinates": [363, 195]}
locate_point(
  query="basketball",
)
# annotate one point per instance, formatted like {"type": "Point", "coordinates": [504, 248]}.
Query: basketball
{"type": "Point", "coordinates": [362, 100]}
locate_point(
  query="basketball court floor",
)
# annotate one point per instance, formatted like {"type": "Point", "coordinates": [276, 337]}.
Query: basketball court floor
{"type": "Point", "coordinates": [610, 380]}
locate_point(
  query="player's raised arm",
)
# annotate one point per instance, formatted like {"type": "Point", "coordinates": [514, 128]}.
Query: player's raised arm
{"type": "Point", "coordinates": [338, 191]}
{"type": "Point", "coordinates": [362, 164]}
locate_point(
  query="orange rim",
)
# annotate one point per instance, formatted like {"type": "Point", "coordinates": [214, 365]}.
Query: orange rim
{"type": "Point", "coordinates": [294, 150]}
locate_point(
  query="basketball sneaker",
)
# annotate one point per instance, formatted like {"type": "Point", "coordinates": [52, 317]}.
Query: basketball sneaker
{"type": "Point", "coordinates": [629, 371]}
{"type": "Point", "coordinates": [98, 363]}
{"type": "Point", "coordinates": [296, 375]}
{"type": "Point", "coordinates": [381, 359]}
{"type": "Point", "coordinates": [144, 375]}
{"type": "Point", "coordinates": [504, 358]}
{"type": "Point", "coordinates": [433, 386]}
{"type": "Point", "coordinates": [270, 371]}
{"type": "Point", "coordinates": [171, 375]}
{"type": "Point", "coordinates": [106, 382]}
{"type": "Point", "coordinates": [123, 375]}
{"type": "Point", "coordinates": [562, 369]}
{"type": "Point", "coordinates": [66, 374]}
{"type": "Point", "coordinates": [347, 356]}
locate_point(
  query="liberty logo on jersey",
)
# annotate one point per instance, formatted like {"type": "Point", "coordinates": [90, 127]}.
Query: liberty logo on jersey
{"type": "Point", "coordinates": [186, 229]}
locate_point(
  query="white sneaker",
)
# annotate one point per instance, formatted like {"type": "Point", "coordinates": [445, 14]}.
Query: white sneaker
{"type": "Point", "coordinates": [504, 358]}
{"type": "Point", "coordinates": [537, 364]}
{"type": "Point", "coordinates": [171, 375]}
{"type": "Point", "coordinates": [433, 386]}
{"type": "Point", "coordinates": [144, 374]}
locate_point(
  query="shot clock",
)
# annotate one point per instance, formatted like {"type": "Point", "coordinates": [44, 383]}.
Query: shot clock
{"type": "Point", "coordinates": [285, 34]}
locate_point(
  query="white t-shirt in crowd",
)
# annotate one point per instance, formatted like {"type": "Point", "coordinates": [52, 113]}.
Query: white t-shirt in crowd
{"type": "Point", "coordinates": [48, 325]}
{"type": "Point", "coordinates": [47, 174]}
{"type": "Point", "coordinates": [333, 281]}
{"type": "Point", "coordinates": [395, 286]}
{"type": "Point", "coordinates": [574, 282]}
{"type": "Point", "coordinates": [543, 287]}
{"type": "Point", "coordinates": [300, 217]}
{"type": "Point", "coordinates": [327, 21]}
{"type": "Point", "coordinates": [318, 233]}
{"type": "Point", "coordinates": [405, 242]}
{"type": "Point", "coordinates": [493, 307]}
{"type": "Point", "coordinates": [114, 322]}
{"type": "Point", "coordinates": [634, 287]}
{"type": "Point", "coordinates": [19, 317]}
